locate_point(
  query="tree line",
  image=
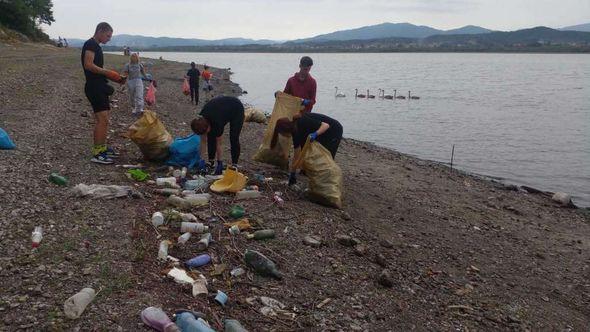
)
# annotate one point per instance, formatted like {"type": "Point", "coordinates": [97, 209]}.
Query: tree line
{"type": "Point", "coordinates": [25, 16]}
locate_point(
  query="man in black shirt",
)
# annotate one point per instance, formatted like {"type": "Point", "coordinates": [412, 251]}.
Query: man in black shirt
{"type": "Point", "coordinates": [98, 90]}
{"type": "Point", "coordinates": [216, 113]}
{"type": "Point", "coordinates": [193, 80]}
{"type": "Point", "coordinates": [318, 127]}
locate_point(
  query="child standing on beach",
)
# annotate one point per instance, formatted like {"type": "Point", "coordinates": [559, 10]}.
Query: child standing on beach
{"type": "Point", "coordinates": [135, 72]}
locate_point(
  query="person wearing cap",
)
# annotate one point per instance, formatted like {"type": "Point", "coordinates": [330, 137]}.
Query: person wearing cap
{"type": "Point", "coordinates": [216, 113]}
{"type": "Point", "coordinates": [302, 85]}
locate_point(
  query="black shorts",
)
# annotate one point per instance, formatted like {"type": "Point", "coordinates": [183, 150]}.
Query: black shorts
{"type": "Point", "coordinates": [98, 93]}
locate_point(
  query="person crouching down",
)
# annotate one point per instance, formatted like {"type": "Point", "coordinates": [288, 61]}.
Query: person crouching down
{"type": "Point", "coordinates": [318, 127]}
{"type": "Point", "coordinates": [210, 123]}
{"type": "Point", "coordinates": [135, 72]}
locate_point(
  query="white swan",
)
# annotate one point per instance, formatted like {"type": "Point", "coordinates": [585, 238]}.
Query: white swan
{"type": "Point", "coordinates": [384, 96]}
{"type": "Point", "coordinates": [339, 95]}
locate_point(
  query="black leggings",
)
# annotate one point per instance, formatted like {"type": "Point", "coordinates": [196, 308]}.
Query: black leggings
{"type": "Point", "coordinates": [195, 93]}
{"type": "Point", "coordinates": [235, 128]}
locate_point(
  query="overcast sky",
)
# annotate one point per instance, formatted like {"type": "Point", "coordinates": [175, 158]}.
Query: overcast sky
{"type": "Point", "coordinates": [291, 19]}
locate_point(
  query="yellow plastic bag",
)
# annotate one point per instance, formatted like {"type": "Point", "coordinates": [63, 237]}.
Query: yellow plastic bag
{"type": "Point", "coordinates": [150, 135]}
{"type": "Point", "coordinates": [232, 181]}
{"type": "Point", "coordinates": [252, 114]}
{"type": "Point", "coordinates": [285, 107]}
{"type": "Point", "coordinates": [325, 176]}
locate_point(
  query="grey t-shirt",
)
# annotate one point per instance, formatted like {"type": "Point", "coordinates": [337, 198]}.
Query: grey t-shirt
{"type": "Point", "coordinates": [134, 70]}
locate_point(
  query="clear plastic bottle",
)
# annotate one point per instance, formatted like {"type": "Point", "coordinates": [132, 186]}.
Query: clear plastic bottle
{"type": "Point", "coordinates": [184, 238]}
{"type": "Point", "coordinates": [247, 194]}
{"type": "Point", "coordinates": [193, 227]}
{"type": "Point", "coordinates": [75, 305]}
{"type": "Point", "coordinates": [36, 236]}
{"type": "Point", "coordinates": [163, 249]}
{"type": "Point", "coordinates": [157, 219]}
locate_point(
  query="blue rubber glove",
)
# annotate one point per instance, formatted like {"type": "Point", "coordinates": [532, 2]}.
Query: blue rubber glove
{"type": "Point", "coordinates": [292, 178]}
{"type": "Point", "coordinates": [219, 168]}
{"type": "Point", "coordinates": [305, 102]}
{"type": "Point", "coordinates": [313, 136]}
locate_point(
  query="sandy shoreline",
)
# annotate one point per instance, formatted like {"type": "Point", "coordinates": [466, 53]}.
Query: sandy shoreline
{"type": "Point", "coordinates": [462, 252]}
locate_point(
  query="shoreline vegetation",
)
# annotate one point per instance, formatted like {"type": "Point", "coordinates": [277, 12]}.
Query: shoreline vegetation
{"type": "Point", "coordinates": [436, 249]}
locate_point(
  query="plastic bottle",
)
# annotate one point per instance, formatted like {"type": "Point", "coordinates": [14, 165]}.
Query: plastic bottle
{"type": "Point", "coordinates": [58, 179]}
{"type": "Point", "coordinates": [204, 241]}
{"type": "Point", "coordinates": [167, 191]}
{"type": "Point", "coordinates": [262, 234]}
{"type": "Point", "coordinates": [163, 249]}
{"type": "Point", "coordinates": [198, 261]}
{"type": "Point", "coordinates": [233, 325]}
{"type": "Point", "coordinates": [234, 230]}
{"type": "Point", "coordinates": [198, 199]}
{"type": "Point", "coordinates": [261, 264]}
{"type": "Point", "coordinates": [75, 305]}
{"type": "Point", "coordinates": [178, 202]}
{"type": "Point", "coordinates": [169, 182]}
{"type": "Point", "coordinates": [157, 219]}
{"type": "Point", "coordinates": [247, 194]}
{"type": "Point", "coordinates": [188, 217]}
{"type": "Point", "coordinates": [36, 236]}
{"type": "Point", "coordinates": [184, 237]}
{"type": "Point", "coordinates": [193, 227]}
{"type": "Point", "coordinates": [187, 322]}
{"type": "Point", "coordinates": [238, 271]}
{"type": "Point", "coordinates": [278, 199]}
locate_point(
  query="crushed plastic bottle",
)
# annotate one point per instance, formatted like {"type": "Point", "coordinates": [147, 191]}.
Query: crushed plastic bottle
{"type": "Point", "coordinates": [204, 241]}
{"type": "Point", "coordinates": [36, 236]}
{"type": "Point", "coordinates": [261, 264]}
{"type": "Point", "coordinates": [188, 322]}
{"type": "Point", "coordinates": [184, 238]}
{"type": "Point", "coordinates": [58, 179]}
{"type": "Point", "coordinates": [75, 305]}
{"type": "Point", "coordinates": [163, 249]}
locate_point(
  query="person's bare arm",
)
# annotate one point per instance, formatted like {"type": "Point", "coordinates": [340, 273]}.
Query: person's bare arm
{"type": "Point", "coordinates": [89, 64]}
{"type": "Point", "coordinates": [323, 128]}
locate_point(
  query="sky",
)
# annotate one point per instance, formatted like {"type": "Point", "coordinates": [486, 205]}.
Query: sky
{"type": "Point", "coordinates": [292, 19]}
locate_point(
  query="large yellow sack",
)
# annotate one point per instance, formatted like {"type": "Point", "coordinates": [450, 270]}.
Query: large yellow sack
{"type": "Point", "coordinates": [325, 176]}
{"type": "Point", "coordinates": [285, 107]}
{"type": "Point", "coordinates": [150, 135]}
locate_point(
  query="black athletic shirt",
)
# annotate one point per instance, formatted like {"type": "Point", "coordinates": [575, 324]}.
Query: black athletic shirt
{"type": "Point", "coordinates": [221, 110]}
{"type": "Point", "coordinates": [193, 75]}
{"type": "Point", "coordinates": [311, 122]}
{"type": "Point", "coordinates": [92, 45]}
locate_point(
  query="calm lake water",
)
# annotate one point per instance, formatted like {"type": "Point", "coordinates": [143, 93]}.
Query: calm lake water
{"type": "Point", "coordinates": [522, 118]}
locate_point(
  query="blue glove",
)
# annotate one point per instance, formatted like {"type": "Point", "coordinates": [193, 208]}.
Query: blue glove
{"type": "Point", "coordinates": [292, 178]}
{"type": "Point", "coordinates": [219, 168]}
{"type": "Point", "coordinates": [305, 102]}
{"type": "Point", "coordinates": [313, 136]}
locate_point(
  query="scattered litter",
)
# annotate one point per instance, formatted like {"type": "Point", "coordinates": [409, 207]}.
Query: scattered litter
{"type": "Point", "coordinates": [198, 261]}
{"type": "Point", "coordinates": [167, 191]}
{"type": "Point", "coordinates": [238, 271]}
{"type": "Point", "coordinates": [236, 212]}
{"type": "Point", "coordinates": [262, 234]}
{"type": "Point", "coordinates": [219, 269]}
{"type": "Point", "coordinates": [187, 321]}
{"type": "Point", "coordinates": [163, 249]}
{"type": "Point", "coordinates": [36, 236]}
{"type": "Point", "coordinates": [197, 184]}
{"type": "Point", "coordinates": [204, 241]}
{"type": "Point", "coordinates": [169, 182]}
{"type": "Point", "coordinates": [58, 179]}
{"type": "Point", "coordinates": [232, 325]}
{"type": "Point", "coordinates": [232, 181]}
{"type": "Point", "coordinates": [138, 175]}
{"type": "Point", "coordinates": [248, 194]}
{"type": "Point", "coordinates": [75, 305]}
{"type": "Point", "coordinates": [157, 319]}
{"type": "Point", "coordinates": [184, 238]}
{"type": "Point", "coordinates": [234, 230]}
{"type": "Point", "coordinates": [128, 166]}
{"type": "Point", "coordinates": [242, 224]}
{"type": "Point", "coordinates": [563, 199]}
{"type": "Point", "coordinates": [221, 298]}
{"type": "Point", "coordinates": [157, 219]}
{"type": "Point", "coordinates": [101, 191]}
{"type": "Point", "coordinates": [199, 285]}
{"type": "Point", "coordinates": [261, 264]}
{"type": "Point", "coordinates": [193, 227]}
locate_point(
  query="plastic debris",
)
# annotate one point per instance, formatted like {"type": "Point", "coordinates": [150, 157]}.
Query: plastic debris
{"type": "Point", "coordinates": [237, 211]}
{"type": "Point", "coordinates": [221, 298]}
{"type": "Point", "coordinates": [198, 261]}
{"type": "Point", "coordinates": [58, 179]}
{"type": "Point", "coordinates": [243, 224]}
{"type": "Point", "coordinates": [262, 234]}
{"type": "Point", "coordinates": [238, 271]}
{"type": "Point", "coordinates": [233, 325]}
{"type": "Point", "coordinates": [138, 175]}
{"type": "Point", "coordinates": [101, 191]}
{"type": "Point", "coordinates": [163, 250]}
{"type": "Point", "coordinates": [193, 227]}
{"type": "Point", "coordinates": [75, 305]}
{"type": "Point", "coordinates": [157, 219]}
{"type": "Point", "coordinates": [248, 194]}
{"type": "Point", "coordinates": [261, 264]}
{"type": "Point", "coordinates": [36, 236]}
{"type": "Point", "coordinates": [199, 285]}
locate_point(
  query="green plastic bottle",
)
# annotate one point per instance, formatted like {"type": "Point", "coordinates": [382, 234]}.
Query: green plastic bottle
{"type": "Point", "coordinates": [261, 264]}
{"type": "Point", "coordinates": [58, 179]}
{"type": "Point", "coordinates": [262, 234]}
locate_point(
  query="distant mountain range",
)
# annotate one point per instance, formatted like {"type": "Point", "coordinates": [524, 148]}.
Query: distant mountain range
{"type": "Point", "coordinates": [579, 27]}
{"type": "Point", "coordinates": [143, 42]}
{"type": "Point", "coordinates": [384, 35]}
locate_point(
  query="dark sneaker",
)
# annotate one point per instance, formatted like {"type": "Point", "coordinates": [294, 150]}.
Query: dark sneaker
{"type": "Point", "coordinates": [111, 153]}
{"type": "Point", "coordinates": [102, 158]}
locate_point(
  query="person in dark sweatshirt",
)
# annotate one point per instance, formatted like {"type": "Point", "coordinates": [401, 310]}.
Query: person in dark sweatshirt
{"type": "Point", "coordinates": [318, 127]}
{"type": "Point", "coordinates": [216, 113]}
{"type": "Point", "coordinates": [193, 79]}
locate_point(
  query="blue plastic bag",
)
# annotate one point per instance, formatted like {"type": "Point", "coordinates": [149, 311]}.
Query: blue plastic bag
{"type": "Point", "coordinates": [186, 152]}
{"type": "Point", "coordinates": [5, 141]}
